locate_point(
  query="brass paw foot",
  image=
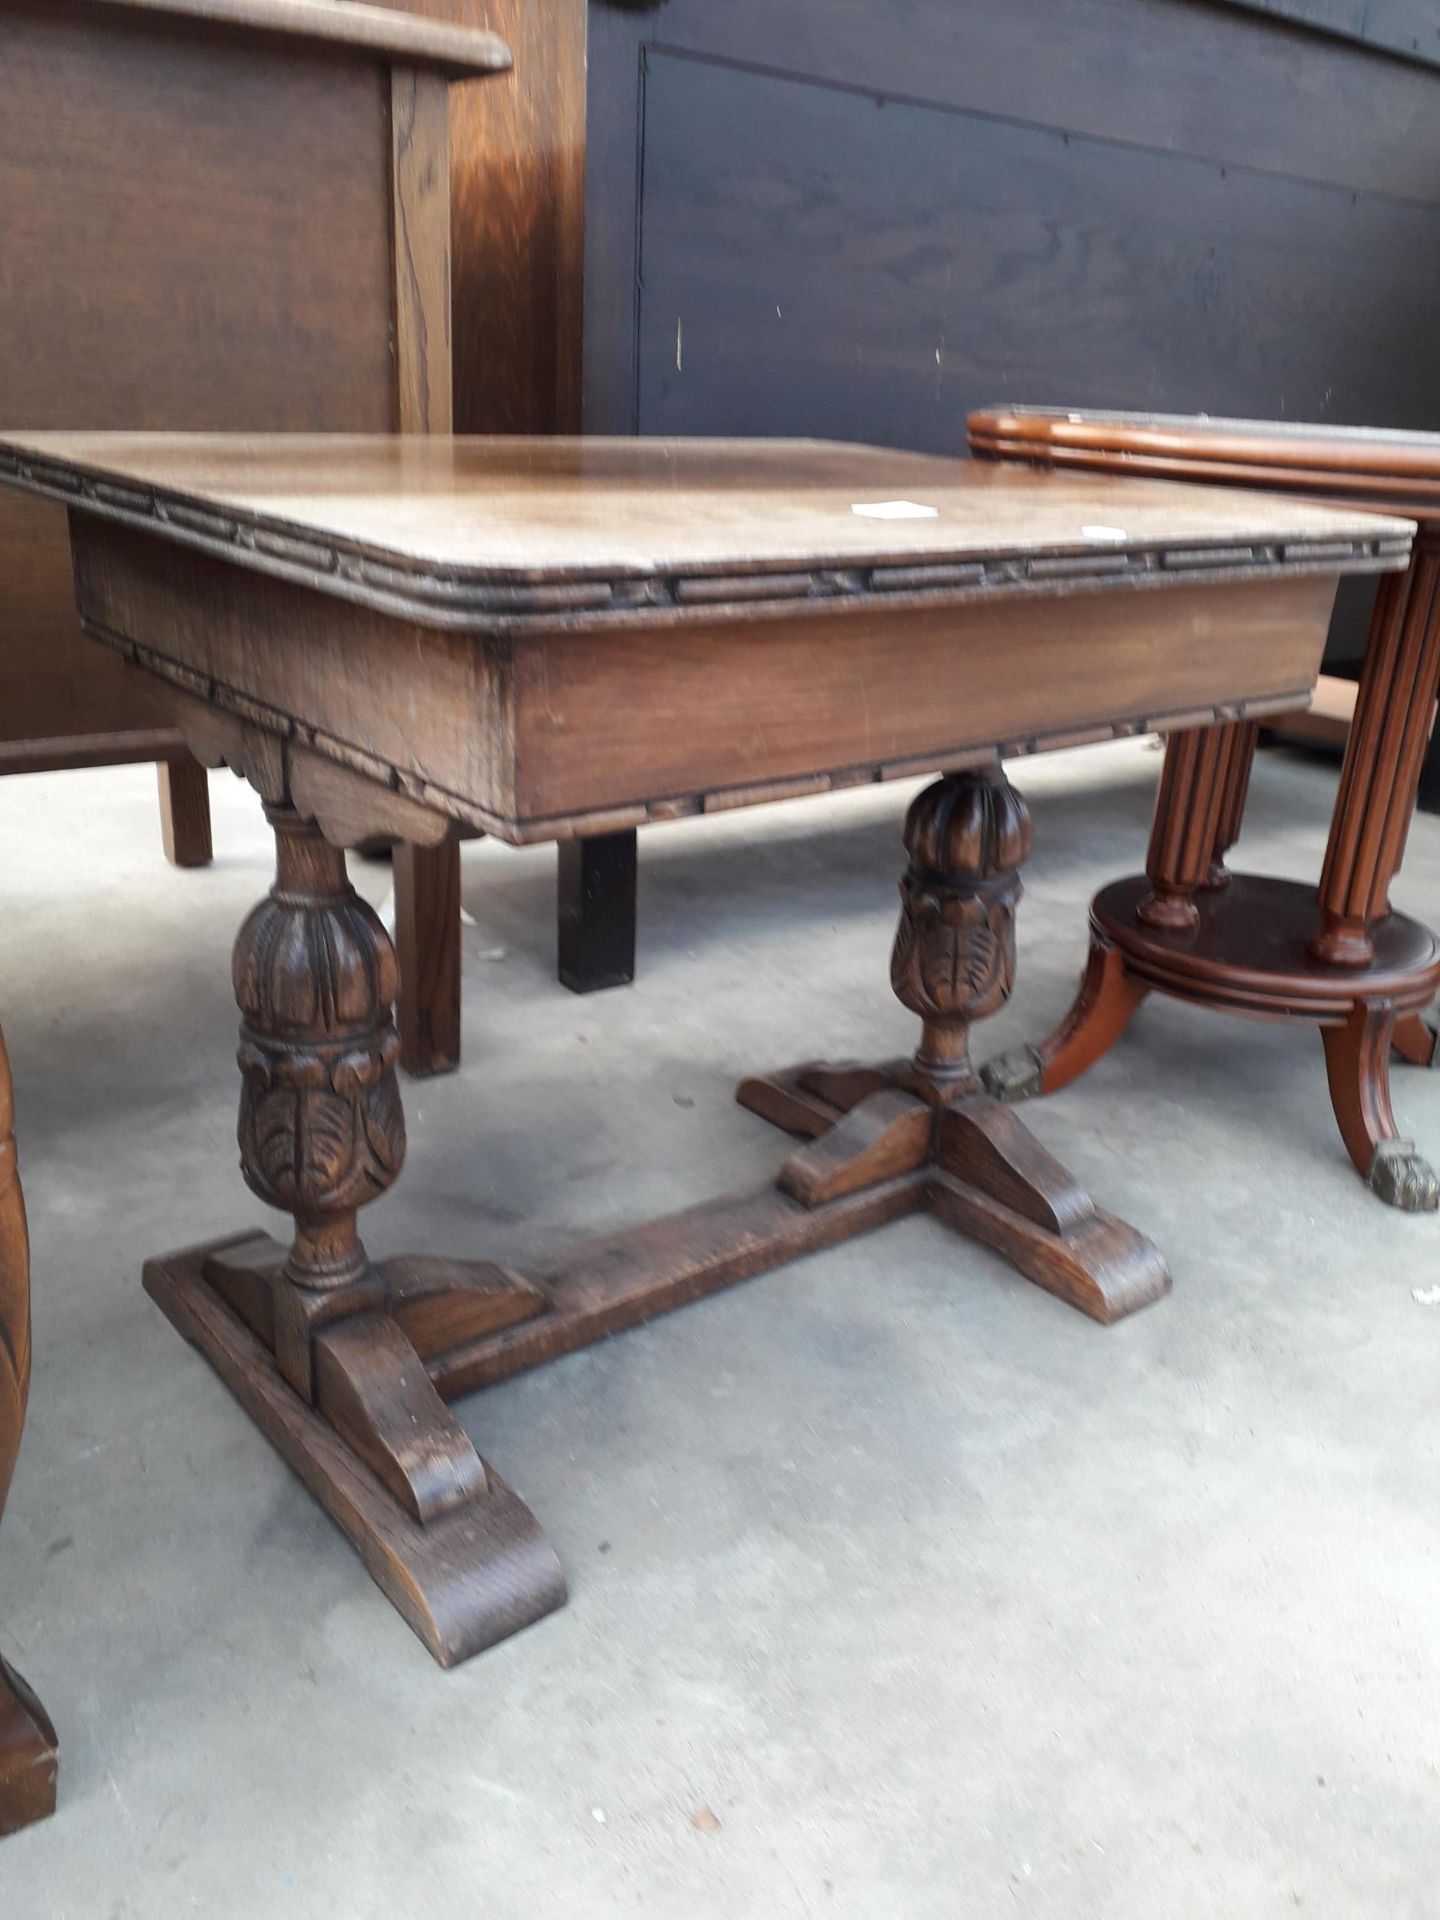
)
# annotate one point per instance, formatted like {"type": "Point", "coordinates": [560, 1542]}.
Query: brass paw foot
{"type": "Point", "coordinates": [1013, 1076]}
{"type": "Point", "coordinates": [1402, 1178]}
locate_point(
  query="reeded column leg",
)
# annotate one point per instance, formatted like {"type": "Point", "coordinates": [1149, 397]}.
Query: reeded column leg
{"type": "Point", "coordinates": [1243, 737]}
{"type": "Point", "coordinates": [29, 1754]}
{"type": "Point", "coordinates": [1394, 711]}
{"type": "Point", "coordinates": [1199, 810]}
{"type": "Point", "coordinates": [1202, 794]}
{"type": "Point", "coordinates": [321, 1135]}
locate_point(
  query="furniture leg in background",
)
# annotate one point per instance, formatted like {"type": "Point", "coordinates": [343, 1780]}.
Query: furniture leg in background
{"type": "Point", "coordinates": [596, 911]}
{"type": "Point", "coordinates": [185, 812]}
{"type": "Point", "coordinates": [1337, 957]}
{"type": "Point", "coordinates": [427, 933]}
{"type": "Point", "coordinates": [28, 1751]}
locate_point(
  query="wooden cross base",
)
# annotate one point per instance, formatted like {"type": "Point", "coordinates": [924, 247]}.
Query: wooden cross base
{"type": "Point", "coordinates": [982, 1171]}
{"type": "Point", "coordinates": [346, 1363]}
{"type": "Point", "coordinates": [457, 1552]}
{"type": "Point", "coordinates": [1250, 950]}
{"type": "Point", "coordinates": [29, 1756]}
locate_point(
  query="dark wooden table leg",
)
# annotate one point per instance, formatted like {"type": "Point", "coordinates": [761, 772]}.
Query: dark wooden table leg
{"type": "Point", "coordinates": [427, 934]}
{"type": "Point", "coordinates": [317, 1342]}
{"type": "Point", "coordinates": [1384, 755]}
{"type": "Point", "coordinates": [185, 812]}
{"type": "Point", "coordinates": [29, 1756]}
{"type": "Point", "coordinates": [596, 911]}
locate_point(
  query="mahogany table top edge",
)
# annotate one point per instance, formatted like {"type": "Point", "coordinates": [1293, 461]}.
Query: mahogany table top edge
{"type": "Point", "coordinates": [457, 50]}
{"type": "Point", "coordinates": [496, 532]}
{"type": "Point", "coordinates": [1391, 467]}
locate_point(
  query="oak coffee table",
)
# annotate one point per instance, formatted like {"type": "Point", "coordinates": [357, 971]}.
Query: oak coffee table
{"type": "Point", "coordinates": [1337, 956]}
{"type": "Point", "coordinates": [549, 638]}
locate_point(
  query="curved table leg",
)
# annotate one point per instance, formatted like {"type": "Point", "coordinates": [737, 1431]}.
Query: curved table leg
{"type": "Point", "coordinates": [28, 1754]}
{"type": "Point", "coordinates": [1357, 1061]}
{"type": "Point", "coordinates": [1105, 1005]}
{"type": "Point", "coordinates": [1416, 1039]}
{"type": "Point", "coordinates": [1199, 807]}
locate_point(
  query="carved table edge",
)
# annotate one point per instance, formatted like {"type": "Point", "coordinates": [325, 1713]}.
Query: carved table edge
{"type": "Point", "coordinates": [460, 598]}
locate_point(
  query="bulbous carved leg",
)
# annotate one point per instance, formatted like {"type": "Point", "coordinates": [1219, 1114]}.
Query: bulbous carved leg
{"type": "Point", "coordinates": [322, 1133]}
{"type": "Point", "coordinates": [954, 957]}
{"type": "Point", "coordinates": [953, 964]}
{"type": "Point", "coordinates": [321, 1126]}
{"type": "Point", "coordinates": [28, 1754]}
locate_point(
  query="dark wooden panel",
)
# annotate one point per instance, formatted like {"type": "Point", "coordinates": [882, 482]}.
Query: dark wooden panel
{"type": "Point", "coordinates": [817, 260]}
{"type": "Point", "coordinates": [1220, 84]}
{"type": "Point", "coordinates": [197, 234]}
{"type": "Point", "coordinates": [1175, 197]}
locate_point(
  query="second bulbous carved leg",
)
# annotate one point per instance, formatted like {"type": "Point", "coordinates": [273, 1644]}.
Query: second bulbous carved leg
{"type": "Point", "coordinates": [953, 964]}
{"type": "Point", "coordinates": [347, 1396]}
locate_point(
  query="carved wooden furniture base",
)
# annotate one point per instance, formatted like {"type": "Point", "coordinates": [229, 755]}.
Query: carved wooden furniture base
{"type": "Point", "coordinates": [457, 1553]}
{"type": "Point", "coordinates": [29, 1756]}
{"type": "Point", "coordinates": [346, 1363]}
{"type": "Point", "coordinates": [981, 1171]}
{"type": "Point", "coordinates": [1251, 951]}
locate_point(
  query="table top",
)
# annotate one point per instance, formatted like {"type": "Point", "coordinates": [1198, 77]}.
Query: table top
{"type": "Point", "coordinates": [1365, 464]}
{"type": "Point", "coordinates": [456, 50]}
{"type": "Point", "coordinates": [453, 531]}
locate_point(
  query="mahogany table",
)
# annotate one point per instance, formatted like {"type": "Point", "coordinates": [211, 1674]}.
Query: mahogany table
{"type": "Point", "coordinates": [549, 638]}
{"type": "Point", "coordinates": [1339, 957]}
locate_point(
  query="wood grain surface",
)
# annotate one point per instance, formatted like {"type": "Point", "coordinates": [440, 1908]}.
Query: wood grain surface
{"type": "Point", "coordinates": [1392, 468]}
{"type": "Point", "coordinates": [450, 49]}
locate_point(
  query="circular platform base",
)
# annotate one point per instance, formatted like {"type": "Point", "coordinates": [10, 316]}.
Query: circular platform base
{"type": "Point", "coordinates": [1250, 953]}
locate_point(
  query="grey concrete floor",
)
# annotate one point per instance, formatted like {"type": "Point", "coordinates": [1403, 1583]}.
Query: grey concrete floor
{"type": "Point", "coordinates": [942, 1599]}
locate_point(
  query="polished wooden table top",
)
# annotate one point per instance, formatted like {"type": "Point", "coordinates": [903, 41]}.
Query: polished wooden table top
{"type": "Point", "coordinates": [777, 616]}
{"type": "Point", "coordinates": [1396, 470]}
{"type": "Point", "coordinates": [602, 524]}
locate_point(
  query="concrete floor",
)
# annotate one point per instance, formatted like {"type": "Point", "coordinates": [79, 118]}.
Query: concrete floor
{"type": "Point", "coordinates": [943, 1601]}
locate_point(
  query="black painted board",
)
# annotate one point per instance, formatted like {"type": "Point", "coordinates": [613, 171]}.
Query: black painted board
{"type": "Point", "coordinates": [815, 260]}
{"type": "Point", "coordinates": [1230, 84]}
{"type": "Point", "coordinates": [1410, 28]}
